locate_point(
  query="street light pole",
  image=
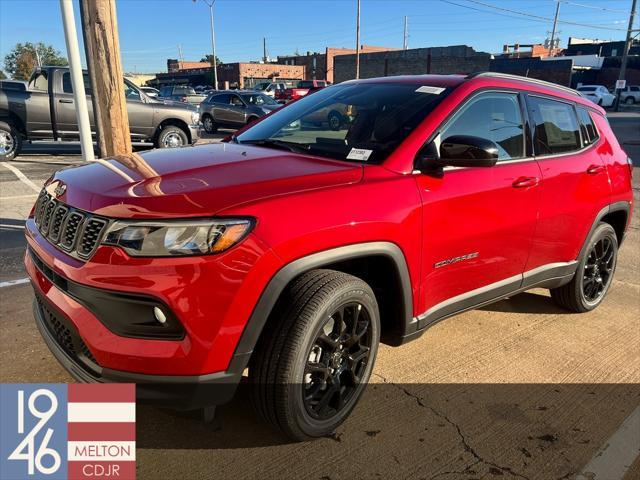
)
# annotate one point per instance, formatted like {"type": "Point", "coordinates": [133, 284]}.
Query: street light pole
{"type": "Point", "coordinates": [358, 42]}
{"type": "Point", "coordinates": [625, 52]}
{"type": "Point", "coordinates": [210, 4]}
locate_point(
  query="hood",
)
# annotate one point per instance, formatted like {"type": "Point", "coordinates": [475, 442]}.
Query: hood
{"type": "Point", "coordinates": [195, 181]}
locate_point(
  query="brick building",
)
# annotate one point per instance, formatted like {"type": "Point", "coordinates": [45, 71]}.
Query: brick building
{"type": "Point", "coordinates": [519, 50]}
{"type": "Point", "coordinates": [416, 61]}
{"type": "Point", "coordinates": [320, 66]}
{"type": "Point", "coordinates": [174, 65]}
{"type": "Point", "coordinates": [232, 75]}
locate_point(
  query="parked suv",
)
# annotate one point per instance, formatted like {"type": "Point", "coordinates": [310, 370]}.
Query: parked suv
{"type": "Point", "coordinates": [293, 249]}
{"type": "Point", "coordinates": [234, 109]}
{"type": "Point", "coordinates": [630, 94]}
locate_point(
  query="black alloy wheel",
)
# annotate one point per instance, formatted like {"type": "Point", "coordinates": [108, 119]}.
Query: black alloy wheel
{"type": "Point", "coordinates": [337, 361]}
{"type": "Point", "coordinates": [598, 269]}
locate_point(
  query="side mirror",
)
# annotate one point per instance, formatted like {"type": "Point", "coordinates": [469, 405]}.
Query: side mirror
{"type": "Point", "coordinates": [458, 151]}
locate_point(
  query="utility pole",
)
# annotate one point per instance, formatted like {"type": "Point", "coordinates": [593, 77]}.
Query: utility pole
{"type": "Point", "coordinates": [104, 46]}
{"type": "Point", "coordinates": [625, 53]}
{"type": "Point", "coordinates": [358, 42]}
{"type": "Point", "coordinates": [77, 81]}
{"type": "Point", "coordinates": [214, 63]}
{"type": "Point", "coordinates": [90, 55]}
{"type": "Point", "coordinates": [555, 26]}
{"type": "Point", "coordinates": [180, 55]}
{"type": "Point", "coordinates": [406, 33]}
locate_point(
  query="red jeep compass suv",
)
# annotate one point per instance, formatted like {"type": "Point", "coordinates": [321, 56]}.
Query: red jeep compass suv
{"type": "Point", "coordinates": [294, 248]}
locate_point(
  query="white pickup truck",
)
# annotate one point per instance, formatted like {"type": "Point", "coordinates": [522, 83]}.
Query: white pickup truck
{"type": "Point", "coordinates": [630, 94]}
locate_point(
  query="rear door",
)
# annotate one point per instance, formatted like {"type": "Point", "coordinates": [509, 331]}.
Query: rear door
{"type": "Point", "coordinates": [575, 183]}
{"type": "Point", "coordinates": [220, 108]}
{"type": "Point", "coordinates": [479, 222]}
{"type": "Point", "coordinates": [65, 107]}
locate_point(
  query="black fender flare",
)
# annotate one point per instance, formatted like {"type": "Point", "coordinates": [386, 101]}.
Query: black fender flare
{"type": "Point", "coordinates": [614, 207]}
{"type": "Point", "coordinates": [288, 272]}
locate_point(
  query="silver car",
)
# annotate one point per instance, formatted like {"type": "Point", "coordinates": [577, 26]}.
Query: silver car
{"type": "Point", "coordinates": [234, 108]}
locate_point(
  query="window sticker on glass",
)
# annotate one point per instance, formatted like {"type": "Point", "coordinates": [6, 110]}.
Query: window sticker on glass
{"type": "Point", "coordinates": [428, 89]}
{"type": "Point", "coordinates": [359, 154]}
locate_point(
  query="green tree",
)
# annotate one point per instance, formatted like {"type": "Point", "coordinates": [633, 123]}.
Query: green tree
{"type": "Point", "coordinates": [208, 58]}
{"type": "Point", "coordinates": [23, 58]}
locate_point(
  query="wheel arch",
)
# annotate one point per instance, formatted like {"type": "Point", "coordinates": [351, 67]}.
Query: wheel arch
{"type": "Point", "coordinates": [373, 262]}
{"type": "Point", "coordinates": [616, 215]}
{"type": "Point", "coordinates": [12, 119]}
{"type": "Point", "coordinates": [176, 122]}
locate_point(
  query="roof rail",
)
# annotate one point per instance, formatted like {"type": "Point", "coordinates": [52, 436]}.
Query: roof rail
{"type": "Point", "coordinates": [523, 79]}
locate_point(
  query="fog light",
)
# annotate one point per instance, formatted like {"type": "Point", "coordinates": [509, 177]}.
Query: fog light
{"type": "Point", "coordinates": [159, 314]}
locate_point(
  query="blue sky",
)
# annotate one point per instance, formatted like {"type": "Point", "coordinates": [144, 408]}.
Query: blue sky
{"type": "Point", "coordinates": [150, 31]}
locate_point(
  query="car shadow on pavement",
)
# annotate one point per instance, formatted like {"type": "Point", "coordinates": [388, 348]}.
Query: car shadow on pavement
{"type": "Point", "coordinates": [526, 302]}
{"type": "Point", "coordinates": [483, 430]}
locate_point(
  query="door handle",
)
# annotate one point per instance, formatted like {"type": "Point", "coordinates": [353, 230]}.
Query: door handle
{"type": "Point", "coordinates": [595, 169]}
{"type": "Point", "coordinates": [62, 100]}
{"type": "Point", "coordinates": [525, 182]}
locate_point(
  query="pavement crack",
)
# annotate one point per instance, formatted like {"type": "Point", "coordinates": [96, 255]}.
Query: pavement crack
{"type": "Point", "coordinates": [478, 459]}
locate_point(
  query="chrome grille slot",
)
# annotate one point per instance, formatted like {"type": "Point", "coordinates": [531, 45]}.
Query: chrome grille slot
{"type": "Point", "coordinates": [91, 234]}
{"type": "Point", "coordinates": [70, 230]}
{"type": "Point", "coordinates": [76, 232]}
{"type": "Point", "coordinates": [56, 222]}
{"type": "Point", "coordinates": [47, 213]}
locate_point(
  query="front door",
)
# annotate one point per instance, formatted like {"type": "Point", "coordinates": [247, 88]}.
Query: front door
{"type": "Point", "coordinates": [478, 222]}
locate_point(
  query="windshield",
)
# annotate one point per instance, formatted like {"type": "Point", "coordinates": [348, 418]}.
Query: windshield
{"type": "Point", "coordinates": [358, 122]}
{"type": "Point", "coordinates": [258, 99]}
{"type": "Point", "coordinates": [261, 86]}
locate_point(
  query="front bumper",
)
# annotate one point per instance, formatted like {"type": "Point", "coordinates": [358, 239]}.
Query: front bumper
{"type": "Point", "coordinates": [211, 297]}
{"type": "Point", "coordinates": [194, 132]}
{"type": "Point", "coordinates": [181, 392]}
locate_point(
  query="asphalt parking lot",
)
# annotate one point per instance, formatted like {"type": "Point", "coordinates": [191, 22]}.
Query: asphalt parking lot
{"type": "Point", "coordinates": [519, 389]}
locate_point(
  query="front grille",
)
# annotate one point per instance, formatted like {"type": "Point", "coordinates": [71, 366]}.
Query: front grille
{"type": "Point", "coordinates": [65, 337]}
{"type": "Point", "coordinates": [74, 231]}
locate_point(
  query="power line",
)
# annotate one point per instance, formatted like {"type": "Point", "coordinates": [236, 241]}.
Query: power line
{"type": "Point", "coordinates": [529, 15]}
{"type": "Point", "coordinates": [595, 7]}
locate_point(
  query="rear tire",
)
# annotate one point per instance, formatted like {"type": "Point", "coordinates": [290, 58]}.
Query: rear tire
{"type": "Point", "coordinates": [172, 137]}
{"type": "Point", "coordinates": [312, 365]}
{"type": "Point", "coordinates": [594, 273]}
{"type": "Point", "coordinates": [10, 142]}
{"type": "Point", "coordinates": [335, 120]}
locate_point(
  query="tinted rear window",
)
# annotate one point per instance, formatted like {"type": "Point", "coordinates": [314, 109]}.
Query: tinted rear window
{"type": "Point", "coordinates": [587, 127]}
{"type": "Point", "coordinates": [556, 125]}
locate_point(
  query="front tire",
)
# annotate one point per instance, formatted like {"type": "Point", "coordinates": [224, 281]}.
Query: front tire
{"type": "Point", "coordinates": [312, 366]}
{"type": "Point", "coordinates": [629, 101]}
{"type": "Point", "coordinates": [10, 142]}
{"type": "Point", "coordinates": [209, 124]}
{"type": "Point", "coordinates": [335, 120]}
{"type": "Point", "coordinates": [594, 273]}
{"type": "Point", "coordinates": [172, 137]}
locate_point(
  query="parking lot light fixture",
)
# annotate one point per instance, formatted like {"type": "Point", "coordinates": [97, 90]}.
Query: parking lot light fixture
{"type": "Point", "coordinates": [210, 4]}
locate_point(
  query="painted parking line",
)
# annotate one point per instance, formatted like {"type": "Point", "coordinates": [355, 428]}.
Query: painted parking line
{"type": "Point", "coordinates": [18, 197]}
{"type": "Point", "coordinates": [11, 283]}
{"type": "Point", "coordinates": [617, 454]}
{"type": "Point", "coordinates": [21, 176]}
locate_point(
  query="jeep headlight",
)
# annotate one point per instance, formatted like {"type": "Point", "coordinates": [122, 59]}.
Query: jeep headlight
{"type": "Point", "coordinates": [177, 238]}
{"type": "Point", "coordinates": [195, 116]}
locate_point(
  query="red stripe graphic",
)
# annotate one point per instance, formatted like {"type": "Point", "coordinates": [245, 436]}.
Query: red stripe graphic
{"type": "Point", "coordinates": [79, 432]}
{"type": "Point", "coordinates": [106, 392]}
{"type": "Point", "coordinates": [102, 470]}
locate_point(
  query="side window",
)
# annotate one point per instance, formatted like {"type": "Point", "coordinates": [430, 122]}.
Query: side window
{"type": "Point", "coordinates": [223, 99]}
{"type": "Point", "coordinates": [130, 93]}
{"type": "Point", "coordinates": [587, 127]}
{"type": "Point", "coordinates": [492, 116]}
{"type": "Point", "coordinates": [67, 86]}
{"type": "Point", "coordinates": [556, 126]}
{"type": "Point", "coordinates": [235, 101]}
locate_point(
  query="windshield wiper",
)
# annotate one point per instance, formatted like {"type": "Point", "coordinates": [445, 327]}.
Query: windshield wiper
{"type": "Point", "coordinates": [281, 144]}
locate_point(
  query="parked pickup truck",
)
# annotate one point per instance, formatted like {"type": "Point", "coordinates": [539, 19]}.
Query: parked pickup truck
{"type": "Point", "coordinates": [630, 94]}
{"type": "Point", "coordinates": [44, 109]}
{"type": "Point", "coordinates": [304, 87]}
{"type": "Point", "coordinates": [181, 93]}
